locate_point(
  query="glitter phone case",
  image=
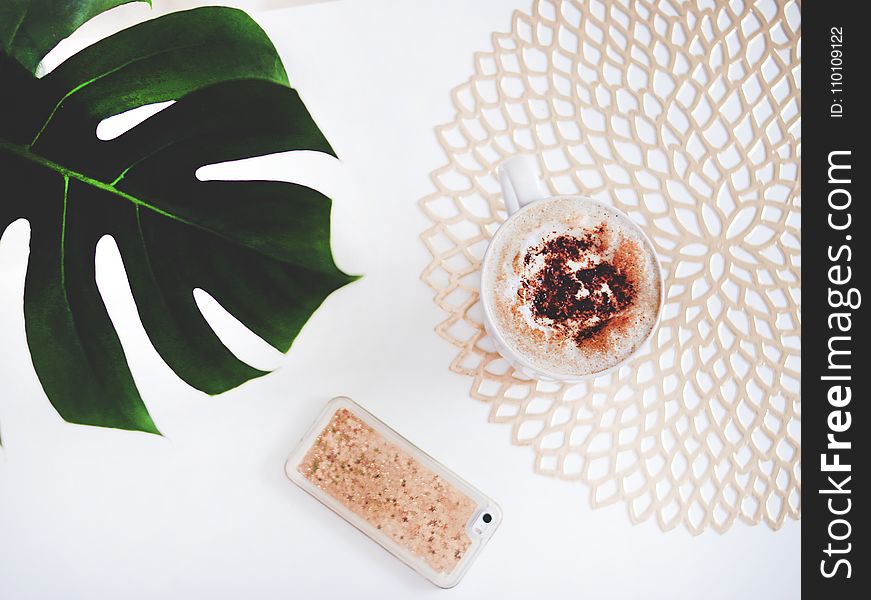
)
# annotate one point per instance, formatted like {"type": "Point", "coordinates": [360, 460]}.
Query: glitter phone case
{"type": "Point", "coordinates": [418, 510]}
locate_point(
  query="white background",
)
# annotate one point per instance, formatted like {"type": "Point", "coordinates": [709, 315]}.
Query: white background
{"type": "Point", "coordinates": [205, 511]}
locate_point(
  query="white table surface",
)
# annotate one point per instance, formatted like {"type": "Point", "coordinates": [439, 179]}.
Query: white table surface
{"type": "Point", "coordinates": [206, 511]}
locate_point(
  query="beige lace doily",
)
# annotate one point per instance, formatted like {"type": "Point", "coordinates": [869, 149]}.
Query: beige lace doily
{"type": "Point", "coordinates": [686, 115]}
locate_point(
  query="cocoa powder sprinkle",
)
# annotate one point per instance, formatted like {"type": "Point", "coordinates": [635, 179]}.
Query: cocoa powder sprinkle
{"type": "Point", "coordinates": [573, 289]}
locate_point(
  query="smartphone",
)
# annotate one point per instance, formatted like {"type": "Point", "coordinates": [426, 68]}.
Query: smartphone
{"type": "Point", "coordinates": [403, 499]}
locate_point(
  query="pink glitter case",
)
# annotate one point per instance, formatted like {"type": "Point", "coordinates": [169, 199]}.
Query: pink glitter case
{"type": "Point", "coordinates": [418, 510]}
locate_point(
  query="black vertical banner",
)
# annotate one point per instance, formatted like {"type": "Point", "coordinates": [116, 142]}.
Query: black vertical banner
{"type": "Point", "coordinates": [835, 255]}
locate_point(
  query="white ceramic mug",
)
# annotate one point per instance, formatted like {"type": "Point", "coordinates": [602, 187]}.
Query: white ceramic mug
{"type": "Point", "coordinates": [521, 186]}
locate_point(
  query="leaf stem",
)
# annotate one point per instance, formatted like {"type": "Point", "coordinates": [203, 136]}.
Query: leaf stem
{"type": "Point", "coordinates": [63, 233]}
{"type": "Point", "coordinates": [70, 174]}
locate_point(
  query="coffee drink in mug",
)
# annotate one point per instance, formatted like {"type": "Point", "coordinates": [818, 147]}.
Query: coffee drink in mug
{"type": "Point", "coordinates": [571, 287]}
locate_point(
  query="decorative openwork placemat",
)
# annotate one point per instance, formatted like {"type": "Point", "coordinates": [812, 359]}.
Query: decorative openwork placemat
{"type": "Point", "coordinates": [686, 115]}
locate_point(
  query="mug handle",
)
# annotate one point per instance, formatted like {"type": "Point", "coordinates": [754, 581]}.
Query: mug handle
{"type": "Point", "coordinates": [521, 182]}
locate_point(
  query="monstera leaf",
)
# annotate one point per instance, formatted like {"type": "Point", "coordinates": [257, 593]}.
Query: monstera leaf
{"type": "Point", "coordinates": [260, 248]}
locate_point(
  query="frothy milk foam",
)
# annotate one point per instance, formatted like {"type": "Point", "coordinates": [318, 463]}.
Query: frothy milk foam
{"type": "Point", "coordinates": [572, 286]}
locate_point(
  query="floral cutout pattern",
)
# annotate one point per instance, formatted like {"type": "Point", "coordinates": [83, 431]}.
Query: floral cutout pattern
{"type": "Point", "coordinates": [685, 115]}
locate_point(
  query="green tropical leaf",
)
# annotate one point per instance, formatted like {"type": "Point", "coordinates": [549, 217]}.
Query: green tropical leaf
{"type": "Point", "coordinates": [30, 28]}
{"type": "Point", "coordinates": [260, 248]}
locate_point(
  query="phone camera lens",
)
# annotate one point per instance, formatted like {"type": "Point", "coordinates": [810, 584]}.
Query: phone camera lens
{"type": "Point", "coordinates": [486, 517]}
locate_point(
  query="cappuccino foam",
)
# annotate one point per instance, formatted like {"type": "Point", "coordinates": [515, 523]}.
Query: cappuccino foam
{"type": "Point", "coordinates": [572, 285]}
